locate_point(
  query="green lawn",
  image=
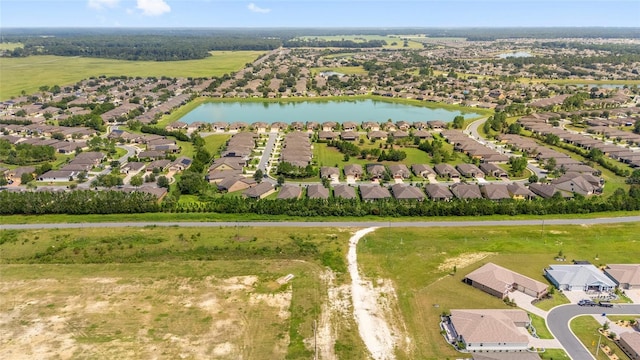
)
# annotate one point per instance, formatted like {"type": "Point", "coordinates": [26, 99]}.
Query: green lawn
{"type": "Point", "coordinates": [59, 70]}
{"type": "Point", "coordinates": [541, 327]}
{"type": "Point", "coordinates": [554, 354]}
{"type": "Point", "coordinates": [349, 70]}
{"type": "Point", "coordinates": [214, 142]}
{"type": "Point", "coordinates": [390, 39]}
{"type": "Point", "coordinates": [420, 263]}
{"type": "Point", "coordinates": [555, 300]}
{"type": "Point", "coordinates": [586, 329]}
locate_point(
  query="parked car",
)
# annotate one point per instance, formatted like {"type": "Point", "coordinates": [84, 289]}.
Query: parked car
{"type": "Point", "coordinates": [586, 302]}
{"type": "Point", "coordinates": [605, 304]}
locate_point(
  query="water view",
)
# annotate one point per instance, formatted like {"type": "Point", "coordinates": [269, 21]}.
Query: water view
{"type": "Point", "coordinates": [518, 54]}
{"type": "Point", "coordinates": [318, 111]}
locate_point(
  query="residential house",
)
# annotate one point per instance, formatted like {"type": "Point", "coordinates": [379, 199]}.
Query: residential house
{"type": "Point", "coordinates": [423, 170]}
{"type": "Point", "coordinates": [422, 134]}
{"type": "Point", "coordinates": [489, 330]}
{"type": "Point", "coordinates": [290, 191]}
{"type": "Point", "coordinates": [227, 163]}
{"type": "Point", "coordinates": [132, 166]}
{"type": "Point", "coordinates": [399, 171]}
{"type": "Point", "coordinates": [583, 184]}
{"type": "Point", "coordinates": [259, 191]}
{"type": "Point", "coordinates": [466, 191]}
{"type": "Point", "coordinates": [58, 176]}
{"type": "Point", "coordinates": [373, 192]}
{"type": "Point", "coordinates": [491, 169]}
{"type": "Point", "coordinates": [216, 176]}
{"type": "Point", "coordinates": [470, 171]}
{"type": "Point", "coordinates": [16, 174]}
{"type": "Point", "coordinates": [578, 277]}
{"type": "Point", "coordinates": [353, 172]}
{"type": "Point", "coordinates": [376, 171]}
{"type": "Point", "coordinates": [317, 191]}
{"type": "Point", "coordinates": [407, 192]}
{"type": "Point", "coordinates": [161, 165]}
{"type": "Point", "coordinates": [447, 171]}
{"type": "Point", "coordinates": [349, 136]}
{"type": "Point", "coordinates": [181, 164]}
{"type": "Point", "coordinates": [630, 344]}
{"type": "Point", "coordinates": [626, 276]}
{"type": "Point", "coordinates": [545, 191]}
{"type": "Point", "coordinates": [330, 172]}
{"type": "Point", "coordinates": [344, 191]}
{"type": "Point", "coordinates": [520, 192]}
{"type": "Point", "coordinates": [500, 282]}
{"type": "Point", "coordinates": [327, 135]}
{"type": "Point", "coordinates": [505, 356]}
{"type": "Point", "coordinates": [438, 192]}
{"type": "Point", "coordinates": [235, 183]}
{"type": "Point", "coordinates": [493, 191]}
{"type": "Point", "coordinates": [349, 126]}
{"type": "Point", "coordinates": [377, 135]}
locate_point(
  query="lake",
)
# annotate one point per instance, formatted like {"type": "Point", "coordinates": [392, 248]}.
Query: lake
{"type": "Point", "coordinates": [318, 111]}
{"type": "Point", "coordinates": [518, 54]}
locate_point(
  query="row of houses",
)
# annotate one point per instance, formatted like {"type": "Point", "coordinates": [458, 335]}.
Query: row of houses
{"type": "Point", "coordinates": [82, 163]}
{"type": "Point", "coordinates": [296, 149]}
{"type": "Point", "coordinates": [37, 130]}
{"type": "Point", "coordinates": [538, 124]}
{"type": "Point", "coordinates": [60, 146]}
{"type": "Point", "coordinates": [463, 143]}
{"type": "Point", "coordinates": [355, 172]}
{"type": "Point", "coordinates": [497, 331]}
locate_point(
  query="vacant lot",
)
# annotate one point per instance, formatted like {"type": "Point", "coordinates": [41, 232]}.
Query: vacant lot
{"type": "Point", "coordinates": [427, 266]}
{"type": "Point", "coordinates": [28, 74]}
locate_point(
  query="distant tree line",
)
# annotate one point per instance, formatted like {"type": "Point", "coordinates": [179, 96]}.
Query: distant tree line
{"type": "Point", "coordinates": [137, 47]}
{"type": "Point", "coordinates": [76, 202]}
{"type": "Point", "coordinates": [333, 43]}
{"type": "Point", "coordinates": [620, 201]}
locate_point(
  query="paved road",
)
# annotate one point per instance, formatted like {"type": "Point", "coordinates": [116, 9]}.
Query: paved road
{"type": "Point", "coordinates": [558, 323]}
{"type": "Point", "coordinates": [268, 149]}
{"type": "Point", "coordinates": [472, 130]}
{"type": "Point", "coordinates": [358, 224]}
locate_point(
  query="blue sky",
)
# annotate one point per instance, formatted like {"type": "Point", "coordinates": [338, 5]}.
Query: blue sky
{"type": "Point", "coordinates": [318, 13]}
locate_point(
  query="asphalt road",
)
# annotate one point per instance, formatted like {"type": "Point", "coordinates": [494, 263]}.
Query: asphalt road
{"type": "Point", "coordinates": [268, 149]}
{"type": "Point", "coordinates": [558, 323]}
{"type": "Point", "coordinates": [358, 224]}
{"type": "Point", "coordinates": [472, 130]}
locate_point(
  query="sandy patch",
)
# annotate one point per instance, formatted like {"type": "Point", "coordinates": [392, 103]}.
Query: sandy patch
{"type": "Point", "coordinates": [373, 308]}
{"type": "Point", "coordinates": [557, 232]}
{"type": "Point", "coordinates": [463, 260]}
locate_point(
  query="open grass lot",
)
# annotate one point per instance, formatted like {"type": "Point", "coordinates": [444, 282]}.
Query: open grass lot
{"type": "Point", "coordinates": [349, 70]}
{"type": "Point", "coordinates": [390, 39]}
{"type": "Point", "coordinates": [58, 70]}
{"type": "Point", "coordinates": [173, 292]}
{"type": "Point", "coordinates": [214, 217]}
{"type": "Point", "coordinates": [586, 329]}
{"type": "Point", "coordinates": [421, 263]}
{"type": "Point", "coordinates": [10, 45]}
{"type": "Point", "coordinates": [214, 142]}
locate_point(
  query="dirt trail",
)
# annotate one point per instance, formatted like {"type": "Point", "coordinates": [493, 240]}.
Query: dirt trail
{"type": "Point", "coordinates": [374, 330]}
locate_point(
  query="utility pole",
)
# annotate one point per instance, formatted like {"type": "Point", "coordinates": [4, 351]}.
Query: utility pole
{"type": "Point", "coordinates": [598, 347]}
{"type": "Point", "coordinates": [315, 340]}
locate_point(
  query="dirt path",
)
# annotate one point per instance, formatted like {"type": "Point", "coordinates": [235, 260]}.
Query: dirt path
{"type": "Point", "coordinates": [374, 330]}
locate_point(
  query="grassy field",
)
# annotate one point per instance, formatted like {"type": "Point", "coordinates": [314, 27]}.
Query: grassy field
{"type": "Point", "coordinates": [172, 286]}
{"type": "Point", "coordinates": [10, 45]}
{"type": "Point", "coordinates": [421, 265]}
{"type": "Point", "coordinates": [160, 291]}
{"type": "Point", "coordinates": [349, 70]}
{"type": "Point", "coordinates": [58, 70]}
{"type": "Point", "coordinates": [541, 327]}
{"type": "Point", "coordinates": [586, 329]}
{"type": "Point", "coordinates": [213, 143]}
{"type": "Point", "coordinates": [390, 39]}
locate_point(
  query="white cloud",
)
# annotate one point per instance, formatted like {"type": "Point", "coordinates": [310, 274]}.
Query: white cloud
{"type": "Point", "coordinates": [153, 7]}
{"type": "Point", "coordinates": [101, 4]}
{"type": "Point", "coordinates": [254, 8]}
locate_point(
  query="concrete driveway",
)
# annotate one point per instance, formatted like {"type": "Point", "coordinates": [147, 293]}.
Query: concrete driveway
{"type": "Point", "coordinates": [524, 302]}
{"type": "Point", "coordinates": [634, 295]}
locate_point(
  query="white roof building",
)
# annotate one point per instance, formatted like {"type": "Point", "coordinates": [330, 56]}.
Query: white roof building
{"type": "Point", "coordinates": [578, 277]}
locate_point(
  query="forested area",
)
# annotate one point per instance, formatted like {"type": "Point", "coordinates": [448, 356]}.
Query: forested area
{"type": "Point", "coordinates": [137, 47]}
{"type": "Point", "coordinates": [76, 202]}
{"type": "Point", "coordinates": [111, 202]}
{"type": "Point", "coordinates": [333, 43]}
